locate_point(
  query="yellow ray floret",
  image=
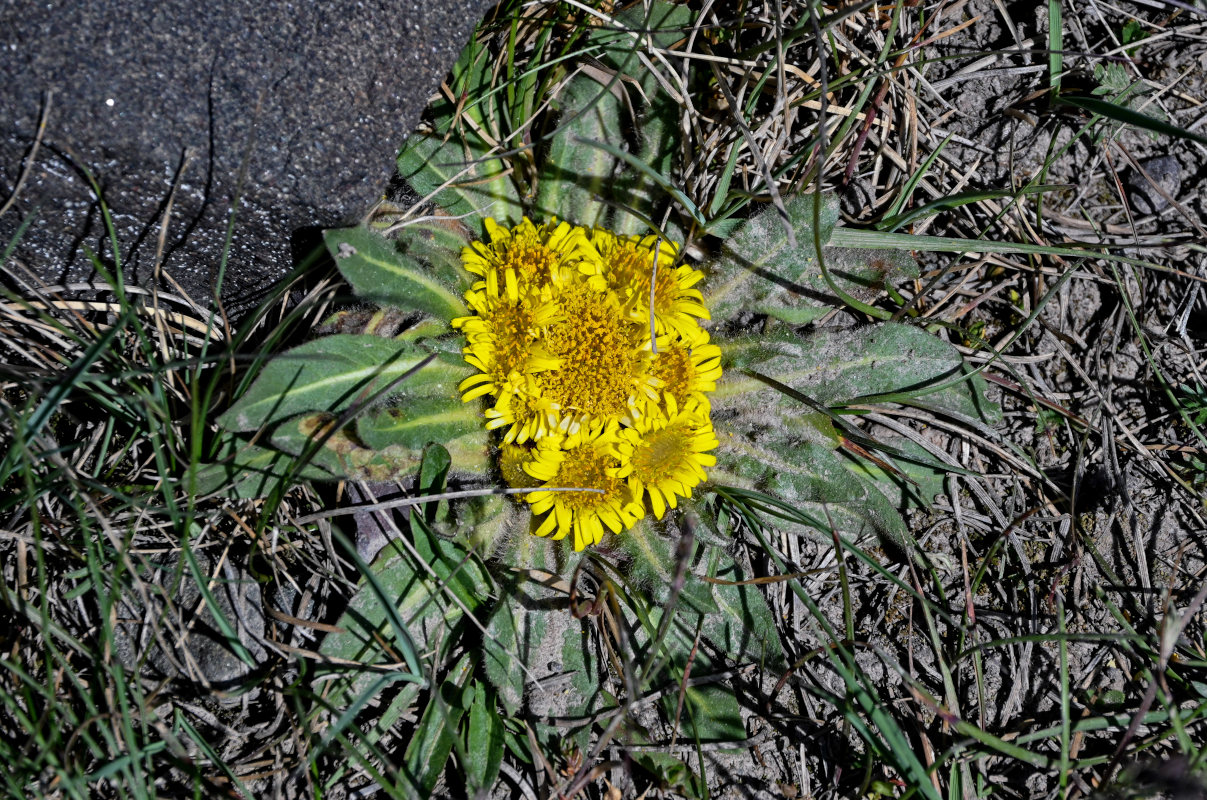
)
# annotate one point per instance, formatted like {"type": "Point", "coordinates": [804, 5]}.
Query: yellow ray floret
{"type": "Point", "coordinates": [669, 455]}
{"type": "Point", "coordinates": [524, 413]}
{"type": "Point", "coordinates": [503, 335]}
{"type": "Point", "coordinates": [587, 460]}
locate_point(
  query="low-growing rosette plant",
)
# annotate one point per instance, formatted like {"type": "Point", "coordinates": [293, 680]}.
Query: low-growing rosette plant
{"type": "Point", "coordinates": [599, 381]}
{"type": "Point", "coordinates": [559, 374]}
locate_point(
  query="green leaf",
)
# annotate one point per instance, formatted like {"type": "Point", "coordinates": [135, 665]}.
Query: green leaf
{"type": "Point", "coordinates": [653, 556]}
{"type": "Point", "coordinates": [483, 523]}
{"type": "Point", "coordinates": [574, 174]}
{"type": "Point", "coordinates": [1130, 117]}
{"type": "Point", "coordinates": [378, 272]}
{"type": "Point", "coordinates": [672, 773]}
{"type": "Point", "coordinates": [806, 486]}
{"type": "Point", "coordinates": [341, 455]}
{"type": "Point", "coordinates": [711, 713]}
{"type": "Point", "coordinates": [483, 740]}
{"type": "Point", "coordinates": [432, 742]}
{"type": "Point", "coordinates": [859, 274]}
{"type": "Point", "coordinates": [247, 471]}
{"type": "Point", "coordinates": [525, 629]}
{"type": "Point", "coordinates": [654, 126]}
{"type": "Point", "coordinates": [743, 627]}
{"type": "Point", "coordinates": [695, 595]}
{"type": "Point", "coordinates": [365, 630]}
{"type": "Point", "coordinates": [758, 267]}
{"type": "Point", "coordinates": [834, 367]}
{"type": "Point", "coordinates": [641, 28]}
{"type": "Point", "coordinates": [459, 571]}
{"type": "Point", "coordinates": [432, 473]}
{"type": "Point", "coordinates": [458, 157]}
{"type": "Point", "coordinates": [333, 373]}
{"type": "Point", "coordinates": [438, 245]}
{"type": "Point", "coordinates": [503, 652]}
{"type": "Point", "coordinates": [657, 136]}
{"type": "Point", "coordinates": [582, 662]}
{"type": "Point", "coordinates": [922, 476]}
{"type": "Point", "coordinates": [662, 181]}
{"type": "Point", "coordinates": [418, 420]}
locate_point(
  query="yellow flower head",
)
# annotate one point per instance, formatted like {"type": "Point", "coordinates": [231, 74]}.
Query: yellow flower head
{"type": "Point", "coordinates": [669, 455]}
{"type": "Point", "coordinates": [686, 369]}
{"type": "Point", "coordinates": [591, 413]}
{"type": "Point", "coordinates": [588, 461]}
{"type": "Point", "coordinates": [502, 334]}
{"type": "Point", "coordinates": [523, 412]}
{"type": "Point", "coordinates": [601, 353]}
{"type": "Point", "coordinates": [512, 458]}
{"type": "Point", "coordinates": [626, 265]}
{"type": "Point", "coordinates": [536, 256]}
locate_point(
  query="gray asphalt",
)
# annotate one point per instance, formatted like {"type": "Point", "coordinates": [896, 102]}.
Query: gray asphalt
{"type": "Point", "coordinates": [296, 109]}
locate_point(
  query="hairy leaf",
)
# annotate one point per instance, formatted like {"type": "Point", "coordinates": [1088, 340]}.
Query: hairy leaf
{"type": "Point", "coordinates": [743, 626]}
{"type": "Point", "coordinates": [335, 372]}
{"type": "Point", "coordinates": [918, 478]}
{"type": "Point", "coordinates": [833, 367]}
{"type": "Point", "coordinates": [503, 651]}
{"type": "Point", "coordinates": [673, 772]}
{"type": "Point", "coordinates": [575, 174]}
{"type": "Point", "coordinates": [654, 115]}
{"type": "Point", "coordinates": [379, 272]}
{"type": "Point", "coordinates": [652, 555]}
{"type": "Point", "coordinates": [483, 740]}
{"type": "Point", "coordinates": [527, 625]}
{"type": "Point", "coordinates": [758, 268]}
{"type": "Point", "coordinates": [432, 743]}
{"type": "Point", "coordinates": [418, 420]}
{"type": "Point", "coordinates": [339, 454]}
{"type": "Point", "coordinates": [364, 632]}
{"type": "Point", "coordinates": [247, 471]}
{"type": "Point", "coordinates": [456, 165]}
{"type": "Point", "coordinates": [460, 573]}
{"type": "Point", "coordinates": [710, 713]}
{"type": "Point", "coordinates": [807, 487]}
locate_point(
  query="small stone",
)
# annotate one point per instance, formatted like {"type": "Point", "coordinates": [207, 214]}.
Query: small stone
{"type": "Point", "coordinates": [181, 640]}
{"type": "Point", "coordinates": [1166, 173]}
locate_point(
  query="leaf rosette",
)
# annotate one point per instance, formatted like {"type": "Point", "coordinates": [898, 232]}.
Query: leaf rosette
{"type": "Point", "coordinates": [538, 336]}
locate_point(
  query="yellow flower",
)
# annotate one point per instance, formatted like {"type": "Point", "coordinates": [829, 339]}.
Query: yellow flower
{"type": "Point", "coordinates": [625, 264]}
{"type": "Point", "coordinates": [583, 401]}
{"type": "Point", "coordinates": [669, 455]}
{"type": "Point", "coordinates": [587, 460]}
{"type": "Point", "coordinates": [686, 369]}
{"type": "Point", "coordinates": [512, 458]}
{"type": "Point", "coordinates": [535, 256]}
{"type": "Point", "coordinates": [525, 412]}
{"type": "Point", "coordinates": [503, 335]}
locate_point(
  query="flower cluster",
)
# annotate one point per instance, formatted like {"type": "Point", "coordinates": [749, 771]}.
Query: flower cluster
{"type": "Point", "coordinates": [589, 347]}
